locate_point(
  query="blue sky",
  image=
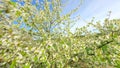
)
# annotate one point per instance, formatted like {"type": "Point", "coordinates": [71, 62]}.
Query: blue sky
{"type": "Point", "coordinates": [91, 8]}
{"type": "Point", "coordinates": [95, 8]}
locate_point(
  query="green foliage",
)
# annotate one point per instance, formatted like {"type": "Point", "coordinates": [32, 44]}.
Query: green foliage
{"type": "Point", "coordinates": [21, 48]}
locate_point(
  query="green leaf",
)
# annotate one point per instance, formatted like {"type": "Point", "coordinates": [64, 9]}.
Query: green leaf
{"type": "Point", "coordinates": [117, 64]}
{"type": "Point", "coordinates": [35, 58]}
{"type": "Point", "coordinates": [27, 66]}
{"type": "Point", "coordinates": [0, 41]}
{"type": "Point", "coordinates": [18, 13]}
{"type": "Point", "coordinates": [23, 53]}
{"type": "Point", "coordinates": [104, 49]}
{"type": "Point", "coordinates": [13, 64]}
{"type": "Point", "coordinates": [12, 3]}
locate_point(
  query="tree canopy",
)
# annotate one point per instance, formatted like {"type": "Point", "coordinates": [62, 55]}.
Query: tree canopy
{"type": "Point", "coordinates": [46, 41]}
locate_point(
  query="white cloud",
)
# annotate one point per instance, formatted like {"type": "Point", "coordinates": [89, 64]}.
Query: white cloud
{"type": "Point", "coordinates": [98, 9]}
